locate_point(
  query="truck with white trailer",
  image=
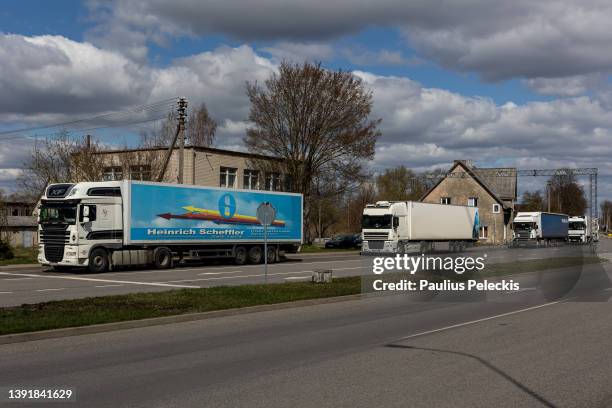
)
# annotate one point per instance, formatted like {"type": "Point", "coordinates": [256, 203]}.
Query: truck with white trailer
{"type": "Point", "coordinates": [579, 230]}
{"type": "Point", "coordinates": [539, 228]}
{"type": "Point", "coordinates": [402, 227]}
{"type": "Point", "coordinates": [105, 225]}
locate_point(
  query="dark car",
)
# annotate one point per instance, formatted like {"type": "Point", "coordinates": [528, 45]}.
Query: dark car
{"type": "Point", "coordinates": [344, 241]}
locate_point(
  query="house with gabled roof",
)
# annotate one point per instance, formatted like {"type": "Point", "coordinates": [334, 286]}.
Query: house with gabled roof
{"type": "Point", "coordinates": [492, 190]}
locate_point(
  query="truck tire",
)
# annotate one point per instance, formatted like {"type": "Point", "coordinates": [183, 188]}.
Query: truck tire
{"type": "Point", "coordinates": [255, 255]}
{"type": "Point", "coordinates": [98, 261]}
{"type": "Point", "coordinates": [271, 254]}
{"type": "Point", "coordinates": [162, 258]}
{"type": "Point", "coordinates": [240, 256]}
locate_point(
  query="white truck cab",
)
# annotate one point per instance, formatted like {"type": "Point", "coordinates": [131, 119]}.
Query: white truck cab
{"type": "Point", "coordinates": [73, 218]}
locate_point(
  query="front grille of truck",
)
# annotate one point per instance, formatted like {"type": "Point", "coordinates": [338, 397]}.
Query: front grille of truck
{"type": "Point", "coordinates": [54, 238]}
{"type": "Point", "coordinates": [522, 234]}
{"type": "Point", "coordinates": [376, 244]}
{"type": "Point", "coordinates": [369, 236]}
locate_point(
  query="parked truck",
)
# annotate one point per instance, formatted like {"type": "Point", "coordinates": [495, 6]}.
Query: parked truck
{"type": "Point", "coordinates": [539, 228]}
{"type": "Point", "coordinates": [401, 227]}
{"type": "Point", "coordinates": [105, 225]}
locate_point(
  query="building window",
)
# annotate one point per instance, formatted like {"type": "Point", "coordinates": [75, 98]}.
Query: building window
{"type": "Point", "coordinates": [473, 202]}
{"type": "Point", "coordinates": [140, 172]}
{"type": "Point", "coordinates": [484, 232]}
{"type": "Point", "coordinates": [496, 208]}
{"type": "Point", "coordinates": [112, 173]}
{"type": "Point", "coordinates": [251, 179]}
{"type": "Point", "coordinates": [273, 182]}
{"type": "Point", "coordinates": [227, 177]}
{"type": "Point", "coordinates": [445, 200]}
{"type": "Point", "coordinates": [15, 212]}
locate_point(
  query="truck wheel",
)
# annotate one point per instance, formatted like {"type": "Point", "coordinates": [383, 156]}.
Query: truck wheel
{"type": "Point", "coordinates": [98, 261]}
{"type": "Point", "coordinates": [240, 256]}
{"type": "Point", "coordinates": [255, 255]}
{"type": "Point", "coordinates": [162, 257]}
{"type": "Point", "coordinates": [271, 255]}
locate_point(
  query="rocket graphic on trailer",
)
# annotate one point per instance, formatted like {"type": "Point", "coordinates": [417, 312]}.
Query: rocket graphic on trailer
{"type": "Point", "coordinates": [202, 214]}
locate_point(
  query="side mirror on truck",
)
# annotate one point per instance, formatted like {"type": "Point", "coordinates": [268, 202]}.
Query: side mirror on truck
{"type": "Point", "coordinates": [395, 222]}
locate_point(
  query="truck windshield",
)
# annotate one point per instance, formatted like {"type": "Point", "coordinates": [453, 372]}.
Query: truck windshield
{"type": "Point", "coordinates": [576, 225]}
{"type": "Point", "coordinates": [58, 214]}
{"type": "Point", "coordinates": [376, 221]}
{"type": "Point", "coordinates": [523, 225]}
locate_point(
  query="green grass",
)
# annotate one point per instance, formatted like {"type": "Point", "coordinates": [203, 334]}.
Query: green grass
{"type": "Point", "coordinates": [22, 256]}
{"type": "Point", "coordinates": [107, 309]}
{"type": "Point", "coordinates": [307, 249]}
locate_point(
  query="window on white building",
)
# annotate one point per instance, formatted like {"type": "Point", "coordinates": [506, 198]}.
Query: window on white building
{"type": "Point", "coordinates": [251, 179]}
{"type": "Point", "coordinates": [473, 202]}
{"type": "Point", "coordinates": [140, 172]}
{"type": "Point", "coordinates": [496, 208]}
{"type": "Point", "coordinates": [227, 177]}
{"type": "Point", "coordinates": [445, 200]}
{"type": "Point", "coordinates": [112, 173]}
{"type": "Point", "coordinates": [273, 182]}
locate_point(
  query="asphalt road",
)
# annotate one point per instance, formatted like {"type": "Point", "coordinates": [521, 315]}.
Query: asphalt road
{"type": "Point", "coordinates": [382, 351]}
{"type": "Point", "coordinates": [20, 285]}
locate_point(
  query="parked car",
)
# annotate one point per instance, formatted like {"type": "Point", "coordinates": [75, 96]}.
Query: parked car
{"type": "Point", "coordinates": [344, 241]}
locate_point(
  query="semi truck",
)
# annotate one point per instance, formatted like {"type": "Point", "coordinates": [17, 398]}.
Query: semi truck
{"type": "Point", "coordinates": [539, 228]}
{"type": "Point", "coordinates": [583, 229]}
{"type": "Point", "coordinates": [105, 225]}
{"type": "Point", "coordinates": [579, 230]}
{"type": "Point", "coordinates": [402, 227]}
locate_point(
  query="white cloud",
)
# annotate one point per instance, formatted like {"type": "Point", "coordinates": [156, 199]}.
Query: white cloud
{"type": "Point", "coordinates": [518, 39]}
{"type": "Point", "coordinates": [298, 52]}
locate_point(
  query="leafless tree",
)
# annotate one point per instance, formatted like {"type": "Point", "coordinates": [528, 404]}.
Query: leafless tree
{"type": "Point", "coordinates": [199, 131]}
{"type": "Point", "coordinates": [400, 184]}
{"type": "Point", "coordinates": [59, 159]}
{"type": "Point", "coordinates": [201, 127]}
{"type": "Point", "coordinates": [317, 122]}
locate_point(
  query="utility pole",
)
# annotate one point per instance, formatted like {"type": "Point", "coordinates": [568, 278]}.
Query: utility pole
{"type": "Point", "coordinates": [182, 106]}
{"type": "Point", "coordinates": [548, 190]}
{"type": "Point", "coordinates": [180, 127]}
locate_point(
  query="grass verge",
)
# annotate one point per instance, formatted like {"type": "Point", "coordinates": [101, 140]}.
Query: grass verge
{"type": "Point", "coordinates": [22, 256]}
{"type": "Point", "coordinates": [108, 309]}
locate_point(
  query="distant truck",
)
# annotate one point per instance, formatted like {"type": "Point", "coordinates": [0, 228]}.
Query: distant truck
{"type": "Point", "coordinates": [580, 230]}
{"type": "Point", "coordinates": [104, 225]}
{"type": "Point", "coordinates": [401, 227]}
{"type": "Point", "coordinates": [539, 228]}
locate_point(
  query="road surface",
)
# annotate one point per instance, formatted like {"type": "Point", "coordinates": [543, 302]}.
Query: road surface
{"type": "Point", "coordinates": [33, 285]}
{"type": "Point", "coordinates": [375, 352]}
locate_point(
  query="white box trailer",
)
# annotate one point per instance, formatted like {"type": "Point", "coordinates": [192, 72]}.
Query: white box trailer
{"type": "Point", "coordinates": [397, 226]}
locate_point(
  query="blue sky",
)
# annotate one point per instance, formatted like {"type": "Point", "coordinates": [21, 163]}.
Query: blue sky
{"type": "Point", "coordinates": [513, 84]}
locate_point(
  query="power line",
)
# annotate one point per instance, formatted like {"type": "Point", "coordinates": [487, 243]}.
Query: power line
{"type": "Point", "coordinates": [165, 104]}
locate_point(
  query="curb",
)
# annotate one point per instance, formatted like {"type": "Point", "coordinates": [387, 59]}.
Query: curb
{"type": "Point", "coordinates": [18, 267]}
{"type": "Point", "coordinates": [157, 321]}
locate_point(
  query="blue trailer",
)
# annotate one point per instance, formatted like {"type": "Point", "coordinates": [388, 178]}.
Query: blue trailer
{"type": "Point", "coordinates": [103, 225]}
{"type": "Point", "coordinates": [540, 227]}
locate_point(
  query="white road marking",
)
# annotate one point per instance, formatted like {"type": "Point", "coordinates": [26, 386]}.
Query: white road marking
{"type": "Point", "coordinates": [14, 279]}
{"type": "Point", "coordinates": [106, 286]}
{"type": "Point", "coordinates": [454, 326]}
{"type": "Point", "coordinates": [5, 293]}
{"type": "Point", "coordinates": [519, 290]}
{"type": "Point", "coordinates": [217, 273]}
{"type": "Point", "coordinates": [99, 280]}
{"type": "Point", "coordinates": [297, 277]}
{"type": "Point", "coordinates": [49, 290]}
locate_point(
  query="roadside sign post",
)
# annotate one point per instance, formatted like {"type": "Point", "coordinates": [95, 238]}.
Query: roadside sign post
{"type": "Point", "coordinates": [265, 215]}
